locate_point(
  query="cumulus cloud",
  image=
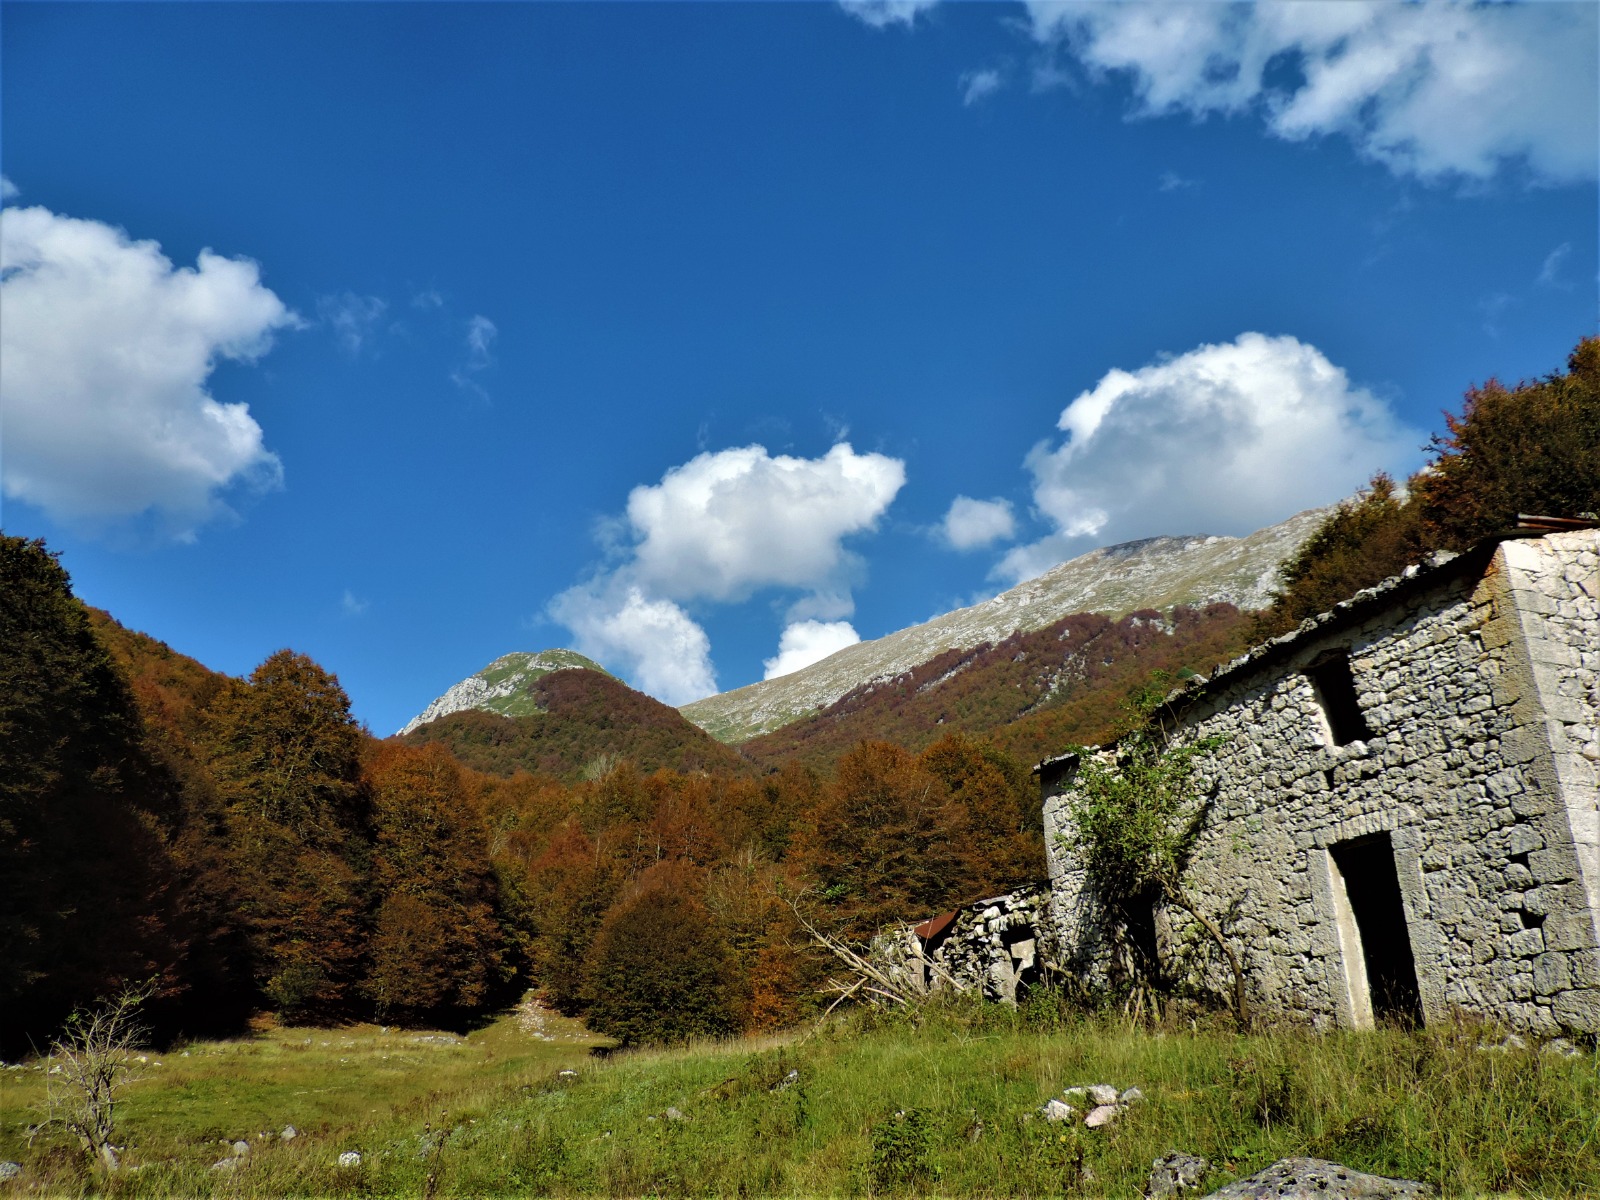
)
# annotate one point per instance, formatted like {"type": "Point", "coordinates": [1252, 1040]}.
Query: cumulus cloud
{"type": "Point", "coordinates": [108, 349]}
{"type": "Point", "coordinates": [727, 524]}
{"type": "Point", "coordinates": [8, 190]}
{"type": "Point", "coordinates": [352, 605]}
{"type": "Point", "coordinates": [971, 524]}
{"type": "Point", "coordinates": [1433, 89]}
{"type": "Point", "coordinates": [1223, 439]}
{"type": "Point", "coordinates": [975, 85]}
{"type": "Point", "coordinates": [881, 14]}
{"type": "Point", "coordinates": [1171, 181]}
{"type": "Point", "coordinates": [806, 642]}
{"type": "Point", "coordinates": [718, 529]}
{"type": "Point", "coordinates": [652, 641]}
{"type": "Point", "coordinates": [355, 320]}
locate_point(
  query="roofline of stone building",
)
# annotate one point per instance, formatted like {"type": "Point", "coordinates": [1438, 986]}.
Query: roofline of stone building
{"type": "Point", "coordinates": [1437, 568]}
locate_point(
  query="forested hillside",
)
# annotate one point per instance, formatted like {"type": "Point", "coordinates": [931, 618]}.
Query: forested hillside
{"type": "Point", "coordinates": [584, 723]}
{"type": "Point", "coordinates": [1031, 694]}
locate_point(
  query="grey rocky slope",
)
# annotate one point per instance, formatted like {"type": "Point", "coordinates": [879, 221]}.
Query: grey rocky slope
{"type": "Point", "coordinates": [1154, 573]}
{"type": "Point", "coordinates": [502, 686]}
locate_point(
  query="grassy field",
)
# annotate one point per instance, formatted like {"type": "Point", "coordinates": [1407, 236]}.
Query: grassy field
{"type": "Point", "coordinates": [948, 1106]}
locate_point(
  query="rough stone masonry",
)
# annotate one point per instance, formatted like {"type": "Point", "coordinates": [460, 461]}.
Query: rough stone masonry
{"type": "Point", "coordinates": [1401, 820]}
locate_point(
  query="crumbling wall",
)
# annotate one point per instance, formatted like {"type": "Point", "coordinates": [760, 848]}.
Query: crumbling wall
{"type": "Point", "coordinates": [998, 946]}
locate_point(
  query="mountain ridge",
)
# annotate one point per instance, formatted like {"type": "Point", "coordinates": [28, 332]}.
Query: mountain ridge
{"type": "Point", "coordinates": [1156, 573]}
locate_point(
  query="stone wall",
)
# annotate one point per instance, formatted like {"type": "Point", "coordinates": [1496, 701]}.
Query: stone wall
{"type": "Point", "coordinates": [997, 946]}
{"type": "Point", "coordinates": [1476, 681]}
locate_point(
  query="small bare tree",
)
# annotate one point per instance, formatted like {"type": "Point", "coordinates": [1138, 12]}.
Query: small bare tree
{"type": "Point", "coordinates": [90, 1065]}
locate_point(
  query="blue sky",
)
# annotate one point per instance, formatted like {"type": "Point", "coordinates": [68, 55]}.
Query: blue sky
{"type": "Point", "coordinates": [407, 335]}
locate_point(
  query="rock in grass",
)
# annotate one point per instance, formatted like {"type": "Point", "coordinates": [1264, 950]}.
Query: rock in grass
{"type": "Point", "coordinates": [1103, 1094]}
{"type": "Point", "coordinates": [225, 1164]}
{"type": "Point", "coordinates": [289, 1133]}
{"type": "Point", "coordinates": [239, 1149]}
{"type": "Point", "coordinates": [350, 1158]}
{"type": "Point", "coordinates": [1174, 1173]}
{"type": "Point", "coordinates": [1131, 1096]}
{"type": "Point", "coordinates": [9, 1171]}
{"type": "Point", "coordinates": [1318, 1179]}
{"type": "Point", "coordinates": [1102, 1114]}
{"type": "Point", "coordinates": [673, 1114]}
{"type": "Point", "coordinates": [1057, 1110]}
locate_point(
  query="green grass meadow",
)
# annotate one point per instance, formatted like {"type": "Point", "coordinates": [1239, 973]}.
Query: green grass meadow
{"type": "Point", "coordinates": [946, 1104]}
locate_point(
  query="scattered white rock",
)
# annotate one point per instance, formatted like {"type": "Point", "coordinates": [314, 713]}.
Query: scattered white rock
{"type": "Point", "coordinates": [673, 1114]}
{"type": "Point", "coordinates": [1174, 1173]}
{"type": "Point", "coordinates": [1103, 1094]}
{"type": "Point", "coordinates": [239, 1149]}
{"type": "Point", "coordinates": [1058, 1110]}
{"type": "Point", "coordinates": [9, 1170]}
{"type": "Point", "coordinates": [1130, 1096]}
{"type": "Point", "coordinates": [1102, 1114]}
{"type": "Point", "coordinates": [566, 1073]}
{"type": "Point", "coordinates": [289, 1133]}
{"type": "Point", "coordinates": [1562, 1047]}
{"type": "Point", "coordinates": [789, 1080]}
{"type": "Point", "coordinates": [350, 1158]}
{"type": "Point", "coordinates": [225, 1164]}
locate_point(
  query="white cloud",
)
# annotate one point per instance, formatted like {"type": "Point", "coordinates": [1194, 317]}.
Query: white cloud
{"type": "Point", "coordinates": [1171, 181]}
{"type": "Point", "coordinates": [880, 14]}
{"type": "Point", "coordinates": [1433, 89]}
{"type": "Point", "coordinates": [428, 299]}
{"type": "Point", "coordinates": [806, 642]}
{"type": "Point", "coordinates": [8, 190]}
{"type": "Point", "coordinates": [108, 349]}
{"type": "Point", "coordinates": [719, 528]}
{"type": "Point", "coordinates": [727, 524]}
{"type": "Point", "coordinates": [352, 605]}
{"type": "Point", "coordinates": [1550, 272]}
{"type": "Point", "coordinates": [481, 333]}
{"type": "Point", "coordinates": [354, 319]}
{"type": "Point", "coordinates": [975, 85]}
{"type": "Point", "coordinates": [1224, 439]}
{"type": "Point", "coordinates": [652, 641]}
{"type": "Point", "coordinates": [971, 523]}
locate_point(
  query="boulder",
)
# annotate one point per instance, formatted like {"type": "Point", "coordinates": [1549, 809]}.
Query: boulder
{"type": "Point", "coordinates": [1057, 1110]}
{"type": "Point", "coordinates": [1174, 1173]}
{"type": "Point", "coordinates": [239, 1149]}
{"type": "Point", "coordinates": [1103, 1093]}
{"type": "Point", "coordinates": [1102, 1114]}
{"type": "Point", "coordinates": [1319, 1179]}
{"type": "Point", "coordinates": [350, 1158]}
{"type": "Point", "coordinates": [9, 1171]}
{"type": "Point", "coordinates": [289, 1133]}
{"type": "Point", "coordinates": [1131, 1096]}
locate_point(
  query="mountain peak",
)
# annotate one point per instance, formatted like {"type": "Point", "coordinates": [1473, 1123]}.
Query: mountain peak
{"type": "Point", "coordinates": [502, 686]}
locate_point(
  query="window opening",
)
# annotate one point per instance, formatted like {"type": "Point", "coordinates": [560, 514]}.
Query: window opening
{"type": "Point", "coordinates": [1372, 928]}
{"type": "Point", "coordinates": [1335, 687]}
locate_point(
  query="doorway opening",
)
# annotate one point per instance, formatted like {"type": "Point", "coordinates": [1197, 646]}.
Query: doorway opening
{"type": "Point", "coordinates": [1372, 928]}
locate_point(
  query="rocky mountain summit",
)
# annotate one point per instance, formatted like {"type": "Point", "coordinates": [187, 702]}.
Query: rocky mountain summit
{"type": "Point", "coordinates": [502, 686]}
{"type": "Point", "coordinates": [1157, 573]}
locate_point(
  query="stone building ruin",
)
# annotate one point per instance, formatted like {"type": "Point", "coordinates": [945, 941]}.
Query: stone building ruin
{"type": "Point", "coordinates": [1401, 819]}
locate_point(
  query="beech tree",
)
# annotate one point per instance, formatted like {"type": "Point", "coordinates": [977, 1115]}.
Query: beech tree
{"type": "Point", "coordinates": [436, 945]}
{"type": "Point", "coordinates": [286, 756]}
{"type": "Point", "coordinates": [658, 970]}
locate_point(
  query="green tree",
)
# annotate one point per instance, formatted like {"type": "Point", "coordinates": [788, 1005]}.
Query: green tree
{"type": "Point", "coordinates": [1135, 816]}
{"type": "Point", "coordinates": [89, 893]}
{"type": "Point", "coordinates": [659, 971]}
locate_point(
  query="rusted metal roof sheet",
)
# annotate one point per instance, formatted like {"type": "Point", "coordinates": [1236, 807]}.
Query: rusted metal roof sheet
{"type": "Point", "coordinates": [934, 926]}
